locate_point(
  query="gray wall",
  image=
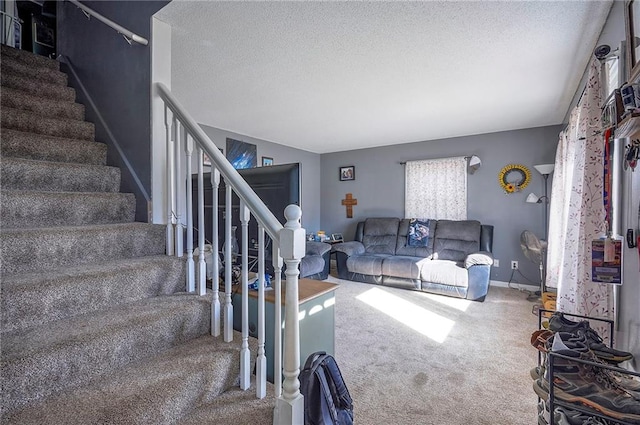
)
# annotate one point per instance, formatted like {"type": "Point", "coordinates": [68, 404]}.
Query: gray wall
{"type": "Point", "coordinates": [379, 187]}
{"type": "Point", "coordinates": [118, 79]}
{"type": "Point", "coordinates": [309, 166]}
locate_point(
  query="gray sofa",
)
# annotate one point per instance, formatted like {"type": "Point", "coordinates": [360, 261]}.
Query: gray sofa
{"type": "Point", "coordinates": [456, 260]}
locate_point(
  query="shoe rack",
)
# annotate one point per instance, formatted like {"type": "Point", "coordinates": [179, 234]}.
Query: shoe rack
{"type": "Point", "coordinates": [552, 401]}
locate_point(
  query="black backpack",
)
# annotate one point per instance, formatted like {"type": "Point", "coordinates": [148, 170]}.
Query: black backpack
{"type": "Point", "coordinates": [326, 398]}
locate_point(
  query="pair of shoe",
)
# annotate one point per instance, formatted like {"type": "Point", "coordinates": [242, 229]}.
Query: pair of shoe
{"type": "Point", "coordinates": [586, 384]}
{"type": "Point", "coordinates": [565, 416]}
{"type": "Point", "coordinates": [559, 323]}
{"type": "Point", "coordinates": [543, 340]}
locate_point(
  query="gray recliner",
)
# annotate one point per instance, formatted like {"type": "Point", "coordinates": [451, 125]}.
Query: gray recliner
{"type": "Point", "coordinates": [316, 262]}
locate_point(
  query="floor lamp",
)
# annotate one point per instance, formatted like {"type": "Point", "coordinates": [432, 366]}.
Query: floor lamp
{"type": "Point", "coordinates": [545, 170]}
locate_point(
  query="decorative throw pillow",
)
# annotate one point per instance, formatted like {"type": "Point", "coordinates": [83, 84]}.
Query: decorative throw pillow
{"type": "Point", "coordinates": [418, 232]}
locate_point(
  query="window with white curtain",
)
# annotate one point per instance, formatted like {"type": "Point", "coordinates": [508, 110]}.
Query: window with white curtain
{"type": "Point", "coordinates": [436, 189]}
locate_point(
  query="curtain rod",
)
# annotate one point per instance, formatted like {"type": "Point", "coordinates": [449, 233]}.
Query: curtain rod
{"type": "Point", "coordinates": [468, 157]}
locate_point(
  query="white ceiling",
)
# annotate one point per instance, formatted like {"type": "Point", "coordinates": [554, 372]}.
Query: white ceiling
{"type": "Point", "coordinates": [335, 76]}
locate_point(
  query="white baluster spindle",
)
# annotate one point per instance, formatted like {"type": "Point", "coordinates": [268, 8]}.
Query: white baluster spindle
{"type": "Point", "coordinates": [191, 282]}
{"type": "Point", "coordinates": [261, 361]}
{"type": "Point", "coordinates": [277, 327]}
{"type": "Point", "coordinates": [245, 357]}
{"type": "Point", "coordinates": [215, 278]}
{"type": "Point", "coordinates": [179, 191]}
{"type": "Point", "coordinates": [202, 265]}
{"type": "Point", "coordinates": [228, 306]}
{"type": "Point", "coordinates": [168, 124]}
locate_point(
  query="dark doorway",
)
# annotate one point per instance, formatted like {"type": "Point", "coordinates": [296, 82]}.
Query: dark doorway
{"type": "Point", "coordinates": [38, 33]}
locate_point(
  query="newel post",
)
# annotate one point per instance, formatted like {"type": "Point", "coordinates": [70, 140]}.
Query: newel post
{"type": "Point", "coordinates": [290, 405]}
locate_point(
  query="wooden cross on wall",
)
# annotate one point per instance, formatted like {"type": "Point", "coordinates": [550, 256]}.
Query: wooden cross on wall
{"type": "Point", "coordinates": [349, 202]}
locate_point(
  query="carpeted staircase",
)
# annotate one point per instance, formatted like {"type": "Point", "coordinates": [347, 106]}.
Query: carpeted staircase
{"type": "Point", "coordinates": [95, 324]}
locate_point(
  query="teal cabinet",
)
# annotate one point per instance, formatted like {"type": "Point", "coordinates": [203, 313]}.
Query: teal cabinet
{"type": "Point", "coordinates": [316, 317]}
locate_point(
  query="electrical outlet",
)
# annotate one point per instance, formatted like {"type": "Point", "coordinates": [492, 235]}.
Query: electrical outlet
{"type": "Point", "coordinates": [514, 265]}
{"type": "Point", "coordinates": [496, 262]}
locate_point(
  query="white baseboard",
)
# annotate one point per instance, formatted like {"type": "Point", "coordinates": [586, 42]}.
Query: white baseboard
{"type": "Point", "coordinates": [521, 286]}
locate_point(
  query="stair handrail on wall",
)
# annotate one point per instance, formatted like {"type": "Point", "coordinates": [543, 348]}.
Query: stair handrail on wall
{"type": "Point", "coordinates": [183, 134]}
{"type": "Point", "coordinates": [128, 35]}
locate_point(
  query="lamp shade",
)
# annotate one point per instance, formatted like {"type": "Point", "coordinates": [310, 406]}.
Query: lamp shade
{"type": "Point", "coordinates": [474, 164]}
{"type": "Point", "coordinates": [544, 168]}
{"type": "Point", "coordinates": [532, 198]}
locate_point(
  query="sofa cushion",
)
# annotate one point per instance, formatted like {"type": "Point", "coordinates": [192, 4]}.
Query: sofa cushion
{"type": "Point", "coordinates": [454, 240]}
{"type": "Point", "coordinates": [482, 258]}
{"type": "Point", "coordinates": [380, 235]}
{"type": "Point", "coordinates": [317, 248]}
{"type": "Point", "coordinates": [444, 272]}
{"type": "Point", "coordinates": [370, 264]}
{"type": "Point", "coordinates": [403, 266]}
{"type": "Point", "coordinates": [403, 248]}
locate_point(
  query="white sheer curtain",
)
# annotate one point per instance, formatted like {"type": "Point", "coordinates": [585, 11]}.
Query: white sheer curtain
{"type": "Point", "coordinates": [577, 214]}
{"type": "Point", "coordinates": [436, 189]}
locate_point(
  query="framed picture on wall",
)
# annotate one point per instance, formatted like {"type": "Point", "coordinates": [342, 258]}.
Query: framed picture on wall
{"type": "Point", "coordinates": [43, 35]}
{"type": "Point", "coordinates": [267, 161]}
{"type": "Point", "coordinates": [241, 154]}
{"type": "Point", "coordinates": [347, 173]}
{"type": "Point", "coordinates": [337, 237]}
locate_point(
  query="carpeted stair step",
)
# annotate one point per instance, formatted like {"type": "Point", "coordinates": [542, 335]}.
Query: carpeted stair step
{"type": "Point", "coordinates": [25, 208]}
{"type": "Point", "coordinates": [50, 248]}
{"type": "Point", "coordinates": [38, 88]}
{"type": "Point", "coordinates": [25, 174]}
{"type": "Point", "coordinates": [28, 58]}
{"type": "Point", "coordinates": [158, 391]}
{"type": "Point", "coordinates": [34, 146]}
{"type": "Point", "coordinates": [12, 65]}
{"type": "Point", "coordinates": [51, 108]}
{"type": "Point", "coordinates": [65, 354]}
{"type": "Point", "coordinates": [17, 119]}
{"type": "Point", "coordinates": [33, 299]}
{"type": "Point", "coordinates": [235, 407]}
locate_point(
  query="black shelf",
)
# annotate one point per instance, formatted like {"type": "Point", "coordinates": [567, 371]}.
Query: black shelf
{"type": "Point", "coordinates": [552, 401]}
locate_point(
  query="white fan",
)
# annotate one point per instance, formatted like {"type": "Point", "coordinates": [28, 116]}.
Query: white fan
{"type": "Point", "coordinates": [534, 249]}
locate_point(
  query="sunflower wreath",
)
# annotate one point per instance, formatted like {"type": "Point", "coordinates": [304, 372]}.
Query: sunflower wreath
{"type": "Point", "coordinates": [514, 178]}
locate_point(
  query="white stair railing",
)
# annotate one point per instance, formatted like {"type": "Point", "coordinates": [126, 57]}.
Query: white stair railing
{"type": "Point", "coordinates": [8, 26]}
{"type": "Point", "coordinates": [185, 139]}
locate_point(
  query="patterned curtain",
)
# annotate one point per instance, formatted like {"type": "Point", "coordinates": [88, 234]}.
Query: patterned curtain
{"type": "Point", "coordinates": [436, 189]}
{"type": "Point", "coordinates": [577, 214]}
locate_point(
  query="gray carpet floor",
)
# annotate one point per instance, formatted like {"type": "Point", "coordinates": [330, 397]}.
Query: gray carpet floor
{"type": "Point", "coordinates": [414, 358]}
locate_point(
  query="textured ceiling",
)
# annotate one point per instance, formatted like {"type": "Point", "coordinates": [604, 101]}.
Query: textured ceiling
{"type": "Point", "coordinates": [334, 76]}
